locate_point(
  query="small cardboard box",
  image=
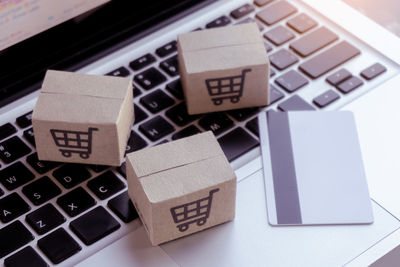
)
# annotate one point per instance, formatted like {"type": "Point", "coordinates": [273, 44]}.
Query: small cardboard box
{"type": "Point", "coordinates": [83, 118]}
{"type": "Point", "coordinates": [181, 187]}
{"type": "Point", "coordinates": [224, 68]}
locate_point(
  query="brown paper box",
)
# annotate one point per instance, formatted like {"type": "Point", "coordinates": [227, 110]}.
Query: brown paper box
{"type": "Point", "coordinates": [166, 183]}
{"type": "Point", "coordinates": [224, 68]}
{"type": "Point", "coordinates": [83, 118]}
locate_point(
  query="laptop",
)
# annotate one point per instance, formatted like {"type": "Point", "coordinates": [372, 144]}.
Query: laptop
{"type": "Point", "coordinates": [325, 55]}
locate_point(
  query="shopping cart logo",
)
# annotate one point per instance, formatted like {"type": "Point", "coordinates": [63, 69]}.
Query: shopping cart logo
{"type": "Point", "coordinates": [193, 212]}
{"type": "Point", "coordinates": [226, 88]}
{"type": "Point", "coordinates": [74, 142]}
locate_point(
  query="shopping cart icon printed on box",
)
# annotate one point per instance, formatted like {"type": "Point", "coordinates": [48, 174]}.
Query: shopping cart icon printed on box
{"type": "Point", "coordinates": [193, 212]}
{"type": "Point", "coordinates": [74, 142]}
{"type": "Point", "coordinates": [226, 88]}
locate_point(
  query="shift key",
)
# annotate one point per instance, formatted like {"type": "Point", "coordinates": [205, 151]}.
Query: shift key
{"type": "Point", "coordinates": [329, 59]}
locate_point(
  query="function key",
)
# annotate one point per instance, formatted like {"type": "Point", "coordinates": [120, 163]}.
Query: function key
{"type": "Point", "coordinates": [216, 122]}
{"type": "Point", "coordinates": [28, 134]}
{"type": "Point", "coordinates": [76, 201]}
{"type": "Point", "coordinates": [219, 22]}
{"type": "Point", "coordinates": [283, 59]}
{"type": "Point", "coordinates": [122, 206]}
{"type": "Point", "coordinates": [234, 149]}
{"type": "Point", "coordinates": [326, 98]}
{"type": "Point", "coordinates": [156, 128]}
{"type": "Point", "coordinates": [6, 130]}
{"type": "Point", "coordinates": [302, 23]}
{"type": "Point", "coordinates": [291, 81]}
{"type": "Point", "coordinates": [242, 11]}
{"type": "Point", "coordinates": [15, 175]}
{"type": "Point", "coordinates": [373, 71]}
{"type": "Point", "coordinates": [25, 120]}
{"type": "Point", "coordinates": [262, 2]}
{"type": "Point", "coordinates": [41, 166]}
{"type": "Point", "coordinates": [276, 12]}
{"type": "Point", "coordinates": [167, 49]}
{"type": "Point", "coordinates": [142, 62]}
{"type": "Point", "coordinates": [25, 257]}
{"type": "Point", "coordinates": [70, 174]}
{"type": "Point", "coordinates": [295, 103]}
{"type": "Point", "coordinates": [338, 77]}
{"type": "Point", "coordinates": [105, 185]}
{"type": "Point", "coordinates": [16, 236]}
{"type": "Point", "coordinates": [140, 115]}
{"type": "Point", "coordinates": [44, 219]}
{"type": "Point", "coordinates": [175, 88]}
{"type": "Point", "coordinates": [120, 72]}
{"type": "Point", "coordinates": [156, 101]}
{"type": "Point", "coordinates": [41, 190]}
{"type": "Point", "coordinates": [11, 207]}
{"type": "Point", "coordinates": [150, 78]}
{"type": "Point", "coordinates": [349, 85]}
{"type": "Point", "coordinates": [178, 114]}
{"type": "Point", "coordinates": [13, 149]}
{"type": "Point", "coordinates": [170, 66]}
{"type": "Point", "coordinates": [186, 132]}
{"type": "Point", "coordinates": [279, 35]}
{"type": "Point", "coordinates": [135, 143]}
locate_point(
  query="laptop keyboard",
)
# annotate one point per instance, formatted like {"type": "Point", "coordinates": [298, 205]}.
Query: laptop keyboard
{"type": "Point", "coordinates": [38, 197]}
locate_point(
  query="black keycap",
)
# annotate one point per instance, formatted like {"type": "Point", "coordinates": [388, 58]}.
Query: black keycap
{"type": "Point", "coordinates": [282, 59]}
{"type": "Point", "coordinates": [41, 166]}
{"type": "Point", "coordinates": [252, 125]}
{"type": "Point", "coordinates": [167, 49]}
{"type": "Point", "coordinates": [25, 257]}
{"type": "Point", "coordinates": [250, 20]}
{"type": "Point", "coordinates": [170, 66]}
{"type": "Point", "coordinates": [122, 206]}
{"type": "Point", "coordinates": [15, 175]}
{"type": "Point", "coordinates": [97, 168]}
{"type": "Point", "coordinates": [76, 201]}
{"type": "Point", "coordinates": [244, 113]}
{"type": "Point", "coordinates": [175, 88]}
{"type": "Point", "coordinates": [188, 131]}
{"type": "Point", "coordinates": [94, 225]}
{"type": "Point", "coordinates": [216, 122]}
{"type": "Point", "coordinates": [13, 149]}
{"type": "Point", "coordinates": [236, 143]}
{"type": "Point", "coordinates": [41, 190]}
{"type": "Point", "coordinates": [268, 47]}
{"type": "Point", "coordinates": [70, 174]}
{"type": "Point", "coordinates": [11, 207]}
{"type": "Point", "coordinates": [338, 77]}
{"type": "Point", "coordinates": [221, 21]}
{"type": "Point", "coordinates": [279, 35]}
{"type": "Point", "coordinates": [120, 72]}
{"type": "Point", "coordinates": [44, 219]}
{"type": "Point", "coordinates": [28, 134]}
{"type": "Point", "coordinates": [274, 94]}
{"type": "Point", "coordinates": [6, 130]}
{"type": "Point", "coordinates": [302, 23]}
{"type": "Point", "coordinates": [136, 91]}
{"type": "Point", "coordinates": [156, 128]}
{"type": "Point", "coordinates": [349, 85]}
{"type": "Point", "coordinates": [122, 169]}
{"type": "Point", "coordinates": [142, 62]}
{"type": "Point", "coordinates": [25, 120]}
{"type": "Point", "coordinates": [373, 71]}
{"type": "Point", "coordinates": [326, 98]}
{"type": "Point", "coordinates": [242, 11]}
{"type": "Point", "coordinates": [1, 192]}
{"type": "Point", "coordinates": [329, 59]}
{"type": "Point", "coordinates": [295, 103]}
{"type": "Point", "coordinates": [276, 12]}
{"type": "Point", "coordinates": [140, 115]}
{"type": "Point", "coordinates": [262, 2]}
{"type": "Point", "coordinates": [150, 78]}
{"type": "Point", "coordinates": [291, 81]}
{"type": "Point", "coordinates": [13, 236]}
{"type": "Point", "coordinates": [313, 41]}
{"type": "Point", "coordinates": [156, 101]}
{"type": "Point", "coordinates": [105, 185]}
{"type": "Point", "coordinates": [179, 115]}
{"type": "Point", "coordinates": [58, 246]}
{"type": "Point", "coordinates": [135, 143]}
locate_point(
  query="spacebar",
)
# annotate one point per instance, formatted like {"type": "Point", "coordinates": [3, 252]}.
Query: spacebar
{"type": "Point", "coordinates": [330, 59]}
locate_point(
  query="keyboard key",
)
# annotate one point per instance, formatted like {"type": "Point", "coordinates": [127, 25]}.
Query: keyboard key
{"type": "Point", "coordinates": [28, 134]}
{"type": "Point", "coordinates": [13, 149]}
{"type": "Point", "coordinates": [326, 98]}
{"type": "Point", "coordinates": [94, 225]}
{"type": "Point", "coordinates": [1, 192]}
{"type": "Point", "coordinates": [25, 120]}
{"type": "Point", "coordinates": [16, 236]}
{"type": "Point", "coordinates": [242, 11]}
{"type": "Point", "coordinates": [283, 59]}
{"type": "Point", "coordinates": [41, 190]}
{"type": "Point", "coordinates": [178, 114]}
{"type": "Point", "coordinates": [97, 168]}
{"type": "Point", "coordinates": [136, 91]}
{"type": "Point", "coordinates": [373, 71]}
{"type": "Point", "coordinates": [219, 22]}
{"type": "Point", "coordinates": [252, 125]}
{"type": "Point", "coordinates": [249, 20]}
{"type": "Point", "coordinates": [175, 88]}
{"type": "Point", "coordinates": [186, 132]}
{"type": "Point", "coordinates": [120, 72]}
{"type": "Point", "coordinates": [236, 143]}
{"type": "Point", "coordinates": [349, 85]}
{"type": "Point", "coordinates": [274, 94]}
{"type": "Point", "coordinates": [105, 185]}
{"type": "Point", "coordinates": [142, 62]}
{"type": "Point", "coordinates": [156, 101]}
{"type": "Point", "coordinates": [291, 81]}
{"type": "Point", "coordinates": [150, 78]}
{"type": "Point", "coordinates": [15, 175]}
{"type": "Point", "coordinates": [329, 59]}
{"type": "Point", "coordinates": [338, 77]}
{"type": "Point", "coordinates": [6, 130]}
{"type": "Point", "coordinates": [243, 113]}
{"type": "Point", "coordinates": [295, 103]}
{"type": "Point", "coordinates": [70, 175]}
{"type": "Point", "coordinates": [216, 122]}
{"type": "Point", "coordinates": [268, 47]}
{"type": "Point", "coordinates": [122, 169]}
{"type": "Point", "coordinates": [44, 219]}
{"type": "Point", "coordinates": [276, 12]}
{"type": "Point", "coordinates": [76, 201]}
{"type": "Point", "coordinates": [11, 207]}
{"type": "Point", "coordinates": [156, 128]}
{"type": "Point", "coordinates": [58, 246]}
{"type": "Point", "coordinates": [170, 66]}
{"type": "Point", "coordinates": [302, 23]}
{"type": "Point", "coordinates": [122, 206]}
{"type": "Point", "coordinates": [167, 49]}
{"type": "Point", "coordinates": [279, 35]}
{"type": "Point", "coordinates": [140, 115]}
{"type": "Point", "coordinates": [25, 257]}
{"type": "Point", "coordinates": [41, 166]}
{"type": "Point", "coordinates": [313, 41]}
{"type": "Point", "coordinates": [262, 2]}
{"type": "Point", "coordinates": [135, 143]}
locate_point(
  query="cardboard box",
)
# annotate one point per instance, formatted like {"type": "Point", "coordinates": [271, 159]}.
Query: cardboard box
{"type": "Point", "coordinates": [224, 68]}
{"type": "Point", "coordinates": [181, 187]}
{"type": "Point", "coordinates": [83, 118]}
